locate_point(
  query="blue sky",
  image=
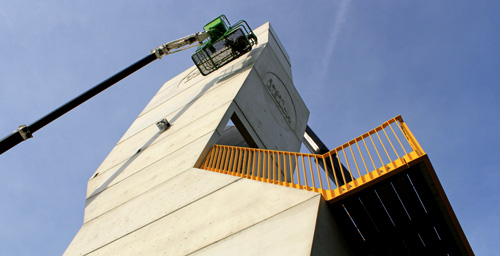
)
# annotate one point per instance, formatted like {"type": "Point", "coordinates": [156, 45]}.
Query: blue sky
{"type": "Point", "coordinates": [355, 63]}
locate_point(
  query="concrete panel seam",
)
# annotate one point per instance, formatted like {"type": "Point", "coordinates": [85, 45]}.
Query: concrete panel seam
{"type": "Point", "coordinates": [211, 88]}
{"type": "Point", "coordinates": [137, 196]}
{"type": "Point", "coordinates": [257, 223]}
{"type": "Point", "coordinates": [154, 124]}
{"type": "Point", "coordinates": [214, 81]}
{"type": "Point", "coordinates": [193, 68]}
{"type": "Point", "coordinates": [180, 108]}
{"type": "Point", "coordinates": [93, 196]}
{"type": "Point", "coordinates": [224, 104]}
{"type": "Point", "coordinates": [147, 165]}
{"type": "Point", "coordinates": [147, 224]}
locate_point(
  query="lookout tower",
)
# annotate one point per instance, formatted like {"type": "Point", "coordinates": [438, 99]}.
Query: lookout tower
{"type": "Point", "coordinates": [222, 177]}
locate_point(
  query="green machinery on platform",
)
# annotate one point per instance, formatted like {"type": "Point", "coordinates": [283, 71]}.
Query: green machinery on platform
{"type": "Point", "coordinates": [225, 43]}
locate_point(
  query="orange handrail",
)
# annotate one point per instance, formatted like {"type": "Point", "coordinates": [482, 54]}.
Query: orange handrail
{"type": "Point", "coordinates": [293, 169]}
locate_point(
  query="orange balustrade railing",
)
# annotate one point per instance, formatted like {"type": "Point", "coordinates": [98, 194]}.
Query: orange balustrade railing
{"type": "Point", "coordinates": [380, 151]}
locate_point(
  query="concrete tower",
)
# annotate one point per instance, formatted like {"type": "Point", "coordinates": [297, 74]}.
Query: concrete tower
{"type": "Point", "coordinates": [149, 196]}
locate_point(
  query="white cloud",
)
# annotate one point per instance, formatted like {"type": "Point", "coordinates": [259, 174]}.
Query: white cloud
{"type": "Point", "coordinates": [340, 18]}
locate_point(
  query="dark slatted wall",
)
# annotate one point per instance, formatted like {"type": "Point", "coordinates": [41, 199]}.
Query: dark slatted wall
{"type": "Point", "coordinates": [398, 216]}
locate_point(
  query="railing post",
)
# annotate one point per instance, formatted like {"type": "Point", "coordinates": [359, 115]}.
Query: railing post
{"type": "Point", "coordinates": [411, 139]}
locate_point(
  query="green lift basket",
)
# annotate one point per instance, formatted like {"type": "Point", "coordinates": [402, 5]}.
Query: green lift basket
{"type": "Point", "coordinates": [225, 44]}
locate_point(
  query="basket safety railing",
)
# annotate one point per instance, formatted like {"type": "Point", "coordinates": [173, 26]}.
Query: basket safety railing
{"type": "Point", "coordinates": [365, 158]}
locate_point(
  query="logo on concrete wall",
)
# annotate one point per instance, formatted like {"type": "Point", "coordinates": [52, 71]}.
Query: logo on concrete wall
{"type": "Point", "coordinates": [281, 97]}
{"type": "Point", "coordinates": [189, 78]}
{"type": "Point", "coordinates": [194, 73]}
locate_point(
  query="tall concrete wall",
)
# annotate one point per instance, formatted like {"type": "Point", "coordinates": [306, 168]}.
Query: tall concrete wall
{"type": "Point", "coordinates": [148, 197]}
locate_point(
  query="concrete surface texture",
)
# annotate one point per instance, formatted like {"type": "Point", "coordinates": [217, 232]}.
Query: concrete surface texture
{"type": "Point", "coordinates": [148, 196]}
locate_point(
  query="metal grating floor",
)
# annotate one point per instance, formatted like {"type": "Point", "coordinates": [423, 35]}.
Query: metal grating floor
{"type": "Point", "coordinates": [405, 214]}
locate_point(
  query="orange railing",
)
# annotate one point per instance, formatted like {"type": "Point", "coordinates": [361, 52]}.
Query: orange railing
{"type": "Point", "coordinates": [380, 151]}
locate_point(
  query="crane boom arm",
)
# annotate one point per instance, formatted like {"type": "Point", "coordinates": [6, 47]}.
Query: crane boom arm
{"type": "Point", "coordinates": [25, 132]}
